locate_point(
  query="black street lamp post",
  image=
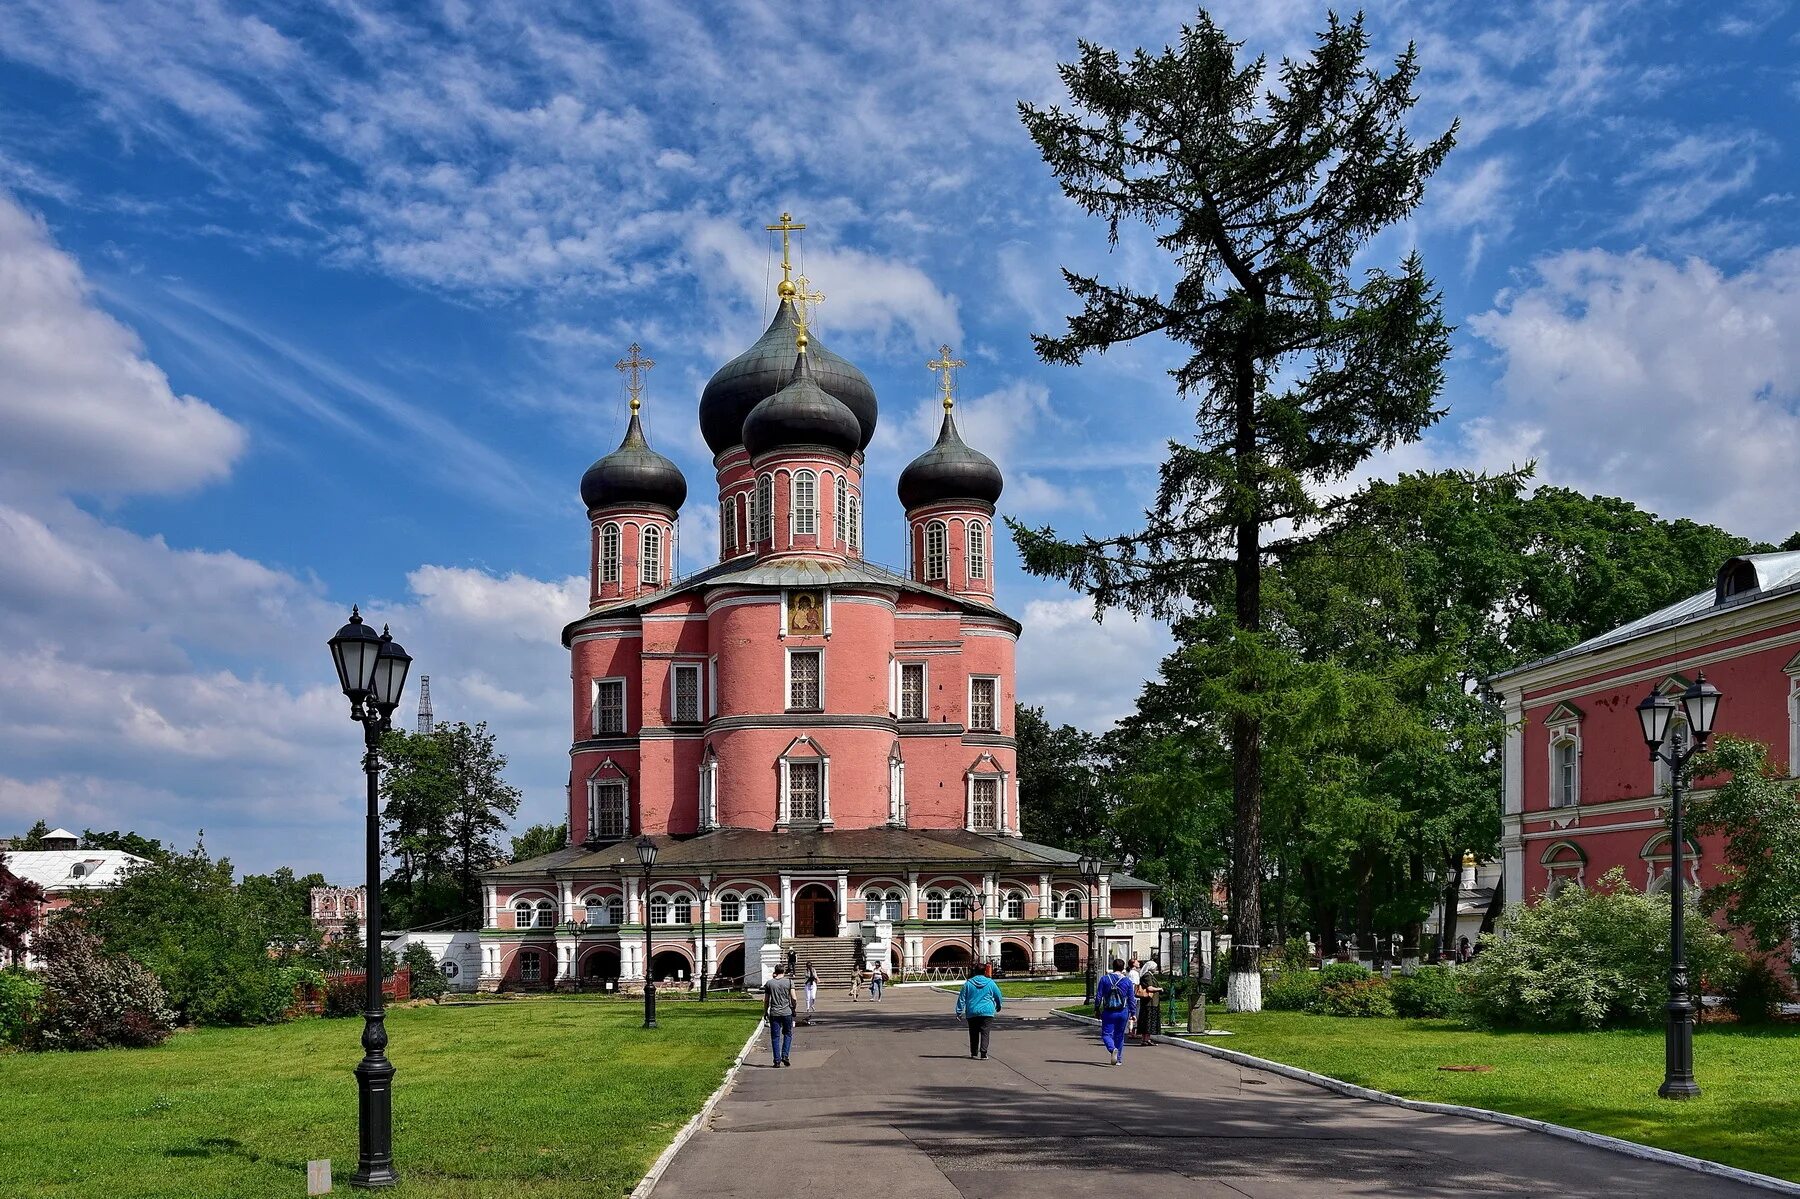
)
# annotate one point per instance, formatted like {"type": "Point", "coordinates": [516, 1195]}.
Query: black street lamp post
{"type": "Point", "coordinates": [372, 671]}
{"type": "Point", "coordinates": [706, 882]}
{"type": "Point", "coordinates": [1089, 866]}
{"type": "Point", "coordinates": [646, 851]}
{"type": "Point", "coordinates": [1699, 704]}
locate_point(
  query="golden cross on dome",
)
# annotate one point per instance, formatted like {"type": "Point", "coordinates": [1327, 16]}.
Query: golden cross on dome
{"type": "Point", "coordinates": [786, 226]}
{"type": "Point", "coordinates": [804, 296]}
{"type": "Point", "coordinates": [945, 366]}
{"type": "Point", "coordinates": [633, 368]}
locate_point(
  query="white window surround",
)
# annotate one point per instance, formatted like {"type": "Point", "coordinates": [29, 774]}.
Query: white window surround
{"type": "Point", "coordinates": [855, 505]}
{"type": "Point", "coordinates": [687, 673]}
{"type": "Point", "coordinates": [840, 510]}
{"type": "Point", "coordinates": [985, 771]}
{"type": "Point", "coordinates": [1565, 764]}
{"type": "Point", "coordinates": [765, 508]}
{"type": "Point", "coordinates": [609, 808]}
{"type": "Point", "coordinates": [728, 526]}
{"type": "Point", "coordinates": [1657, 857]}
{"type": "Point", "coordinates": [1564, 863]}
{"type": "Point", "coordinates": [937, 540]}
{"type": "Point", "coordinates": [1793, 762]}
{"type": "Point", "coordinates": [992, 723]}
{"type": "Point", "coordinates": [787, 681]}
{"type": "Point", "coordinates": [1012, 905]}
{"type": "Point", "coordinates": [709, 790]}
{"type": "Point", "coordinates": [650, 552]}
{"type": "Point", "coordinates": [598, 723]}
{"type": "Point", "coordinates": [609, 553]}
{"type": "Point", "coordinates": [803, 504]}
{"type": "Point", "coordinates": [807, 751]}
{"type": "Point", "coordinates": [976, 534]}
{"type": "Point", "coordinates": [915, 709]}
{"type": "Point", "coordinates": [896, 786]}
{"type": "Point", "coordinates": [604, 909]}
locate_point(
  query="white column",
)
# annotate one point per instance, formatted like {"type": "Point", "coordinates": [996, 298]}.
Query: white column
{"type": "Point", "coordinates": [912, 894]}
{"type": "Point", "coordinates": [989, 886]}
{"type": "Point", "coordinates": [843, 888]}
{"type": "Point", "coordinates": [1512, 823]}
{"type": "Point", "coordinates": [1106, 896]}
{"type": "Point", "coordinates": [632, 913]}
{"type": "Point", "coordinates": [490, 906]}
{"type": "Point", "coordinates": [787, 905]}
{"type": "Point", "coordinates": [568, 901]}
{"type": "Point", "coordinates": [1046, 899]}
{"type": "Point", "coordinates": [565, 951]}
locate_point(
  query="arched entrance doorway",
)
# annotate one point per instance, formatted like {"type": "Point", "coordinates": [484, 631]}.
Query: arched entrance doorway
{"type": "Point", "coordinates": [600, 969]}
{"type": "Point", "coordinates": [1067, 957]}
{"type": "Point", "coordinates": [671, 966]}
{"type": "Point", "coordinates": [949, 955]}
{"type": "Point", "coordinates": [815, 911]}
{"type": "Point", "coordinates": [1014, 959]}
{"type": "Point", "coordinates": [729, 972]}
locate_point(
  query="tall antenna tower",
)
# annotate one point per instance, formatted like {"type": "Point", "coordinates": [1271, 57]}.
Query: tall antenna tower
{"type": "Point", "coordinates": [426, 724]}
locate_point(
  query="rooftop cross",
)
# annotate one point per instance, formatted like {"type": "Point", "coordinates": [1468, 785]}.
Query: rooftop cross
{"type": "Point", "coordinates": [634, 367]}
{"type": "Point", "coordinates": [786, 226]}
{"type": "Point", "coordinates": [946, 366]}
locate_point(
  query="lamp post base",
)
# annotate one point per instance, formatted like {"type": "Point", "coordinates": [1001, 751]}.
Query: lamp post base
{"type": "Point", "coordinates": [1679, 1088]}
{"type": "Point", "coordinates": [649, 1004]}
{"type": "Point", "coordinates": [375, 1119]}
{"type": "Point", "coordinates": [1678, 1052]}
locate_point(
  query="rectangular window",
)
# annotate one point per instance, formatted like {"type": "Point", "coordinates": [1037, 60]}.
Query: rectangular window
{"type": "Point", "coordinates": [753, 909]}
{"type": "Point", "coordinates": [730, 909]}
{"type": "Point", "coordinates": [985, 806]}
{"type": "Point", "coordinates": [805, 501]}
{"type": "Point", "coordinates": [804, 669]}
{"type": "Point", "coordinates": [687, 694]}
{"type": "Point", "coordinates": [606, 811]}
{"type": "Point", "coordinates": [804, 790]}
{"type": "Point", "coordinates": [912, 691]}
{"type": "Point", "coordinates": [765, 508]}
{"type": "Point", "coordinates": [934, 906]}
{"type": "Point", "coordinates": [839, 513]}
{"type": "Point", "coordinates": [609, 706]}
{"type": "Point", "coordinates": [728, 526]}
{"type": "Point", "coordinates": [530, 967]}
{"type": "Point", "coordinates": [981, 704]}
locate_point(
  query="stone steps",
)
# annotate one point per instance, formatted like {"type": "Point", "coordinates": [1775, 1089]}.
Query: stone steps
{"type": "Point", "coordinates": [834, 958]}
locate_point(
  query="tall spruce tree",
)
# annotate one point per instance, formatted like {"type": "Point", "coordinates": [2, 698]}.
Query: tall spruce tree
{"type": "Point", "coordinates": [1299, 366]}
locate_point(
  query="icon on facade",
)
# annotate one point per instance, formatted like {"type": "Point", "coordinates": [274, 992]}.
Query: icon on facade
{"type": "Point", "coordinates": [806, 612]}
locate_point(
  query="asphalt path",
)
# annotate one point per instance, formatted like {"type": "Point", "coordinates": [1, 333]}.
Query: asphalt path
{"type": "Point", "coordinates": [883, 1102]}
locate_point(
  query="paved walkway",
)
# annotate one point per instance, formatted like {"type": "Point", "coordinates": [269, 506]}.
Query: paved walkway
{"type": "Point", "coordinates": [883, 1101]}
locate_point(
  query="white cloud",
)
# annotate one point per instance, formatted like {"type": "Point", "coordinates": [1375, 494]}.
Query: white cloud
{"type": "Point", "coordinates": [1684, 179]}
{"type": "Point", "coordinates": [1057, 657]}
{"type": "Point", "coordinates": [83, 409]}
{"type": "Point", "coordinates": [1674, 385]}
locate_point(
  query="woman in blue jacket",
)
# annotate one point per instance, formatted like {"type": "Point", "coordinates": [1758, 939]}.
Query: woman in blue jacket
{"type": "Point", "coordinates": [979, 1002]}
{"type": "Point", "coordinates": [1114, 997]}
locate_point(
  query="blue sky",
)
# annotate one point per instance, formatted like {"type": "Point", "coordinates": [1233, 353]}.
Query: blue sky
{"type": "Point", "coordinates": [306, 305]}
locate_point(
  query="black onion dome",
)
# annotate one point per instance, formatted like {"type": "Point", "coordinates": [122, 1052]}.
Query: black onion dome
{"type": "Point", "coordinates": [633, 474]}
{"type": "Point", "coordinates": [949, 470]}
{"type": "Point", "coordinates": [802, 413]}
{"type": "Point", "coordinates": [764, 369]}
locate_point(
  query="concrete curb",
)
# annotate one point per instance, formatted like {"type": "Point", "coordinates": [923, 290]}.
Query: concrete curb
{"type": "Point", "coordinates": [654, 1175]}
{"type": "Point", "coordinates": [1597, 1140]}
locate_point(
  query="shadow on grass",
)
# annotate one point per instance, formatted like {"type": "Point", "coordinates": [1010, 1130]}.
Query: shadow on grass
{"type": "Point", "coordinates": [210, 1147]}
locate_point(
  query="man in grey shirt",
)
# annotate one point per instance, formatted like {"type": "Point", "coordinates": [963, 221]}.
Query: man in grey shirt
{"type": "Point", "coordinates": [778, 1006]}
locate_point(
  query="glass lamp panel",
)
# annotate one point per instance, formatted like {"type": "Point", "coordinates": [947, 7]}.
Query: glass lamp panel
{"type": "Point", "coordinates": [646, 851]}
{"type": "Point", "coordinates": [391, 664]}
{"type": "Point", "coordinates": [1700, 702]}
{"type": "Point", "coordinates": [1653, 715]}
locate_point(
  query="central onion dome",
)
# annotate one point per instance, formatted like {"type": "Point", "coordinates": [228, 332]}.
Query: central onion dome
{"type": "Point", "coordinates": [802, 413]}
{"type": "Point", "coordinates": [949, 470]}
{"type": "Point", "coordinates": [634, 474]}
{"type": "Point", "coordinates": [765, 368]}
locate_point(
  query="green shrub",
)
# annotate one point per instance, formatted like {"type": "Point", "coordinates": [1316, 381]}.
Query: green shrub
{"type": "Point", "coordinates": [93, 999]}
{"type": "Point", "coordinates": [1590, 959]}
{"type": "Point", "coordinates": [1430, 991]}
{"type": "Point", "coordinates": [1343, 972]}
{"type": "Point", "coordinates": [20, 994]}
{"type": "Point", "coordinates": [1757, 992]}
{"type": "Point", "coordinates": [1296, 992]}
{"type": "Point", "coordinates": [428, 982]}
{"type": "Point", "coordinates": [1358, 997]}
{"type": "Point", "coordinates": [1296, 956]}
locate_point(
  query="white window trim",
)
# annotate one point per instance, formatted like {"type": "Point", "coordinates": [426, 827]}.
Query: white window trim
{"type": "Point", "coordinates": [969, 709]}
{"type": "Point", "coordinates": [941, 569]}
{"type": "Point", "coordinates": [1793, 762]}
{"type": "Point", "coordinates": [624, 706]}
{"type": "Point", "coordinates": [787, 676]}
{"type": "Point", "coordinates": [593, 803]}
{"type": "Point", "coordinates": [712, 686]}
{"type": "Point", "coordinates": [974, 532]}
{"type": "Point", "coordinates": [650, 571]}
{"type": "Point", "coordinates": [840, 510]}
{"type": "Point", "coordinates": [897, 790]}
{"type": "Point", "coordinates": [728, 526]}
{"type": "Point", "coordinates": [855, 501]}
{"type": "Point", "coordinates": [699, 695]}
{"type": "Point", "coordinates": [709, 792]}
{"type": "Point", "coordinates": [618, 555]}
{"type": "Point", "coordinates": [1560, 735]}
{"type": "Point", "coordinates": [924, 669]}
{"type": "Point", "coordinates": [999, 778]}
{"type": "Point", "coordinates": [796, 508]}
{"type": "Point", "coordinates": [784, 810]}
{"type": "Point", "coordinates": [765, 508]}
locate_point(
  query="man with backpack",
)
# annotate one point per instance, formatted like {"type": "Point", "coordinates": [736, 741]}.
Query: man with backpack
{"type": "Point", "coordinates": [1114, 998]}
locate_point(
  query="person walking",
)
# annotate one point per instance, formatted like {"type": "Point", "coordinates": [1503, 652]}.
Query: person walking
{"type": "Point", "coordinates": [812, 991]}
{"type": "Point", "coordinates": [1113, 998]}
{"type": "Point", "coordinates": [856, 981]}
{"type": "Point", "coordinates": [1149, 1004]}
{"type": "Point", "coordinates": [877, 980]}
{"type": "Point", "coordinates": [979, 1002]}
{"type": "Point", "coordinates": [778, 1007]}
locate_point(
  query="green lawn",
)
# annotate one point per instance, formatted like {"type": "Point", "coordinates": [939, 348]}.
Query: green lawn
{"type": "Point", "coordinates": [556, 1097]}
{"type": "Point", "coordinates": [1034, 988]}
{"type": "Point", "coordinates": [1604, 1082]}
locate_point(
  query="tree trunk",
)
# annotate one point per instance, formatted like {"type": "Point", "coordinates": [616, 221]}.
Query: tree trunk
{"type": "Point", "coordinates": [1409, 950]}
{"type": "Point", "coordinates": [1496, 905]}
{"type": "Point", "coordinates": [1244, 988]}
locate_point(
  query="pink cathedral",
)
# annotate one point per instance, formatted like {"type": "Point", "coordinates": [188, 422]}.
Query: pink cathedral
{"type": "Point", "coordinates": [821, 749]}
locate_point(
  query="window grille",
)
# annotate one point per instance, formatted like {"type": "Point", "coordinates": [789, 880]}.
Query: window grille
{"type": "Point", "coordinates": [609, 553]}
{"type": "Point", "coordinates": [936, 539]}
{"type": "Point", "coordinates": [912, 691]}
{"type": "Point", "coordinates": [609, 706]}
{"type": "Point", "coordinates": [803, 680]}
{"type": "Point", "coordinates": [981, 704]}
{"type": "Point", "coordinates": [804, 785]}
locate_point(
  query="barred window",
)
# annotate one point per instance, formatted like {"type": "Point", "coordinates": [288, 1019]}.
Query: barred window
{"type": "Point", "coordinates": [804, 496]}
{"type": "Point", "coordinates": [606, 810]}
{"type": "Point", "coordinates": [727, 527]}
{"type": "Point", "coordinates": [912, 691]}
{"type": "Point", "coordinates": [981, 704]}
{"type": "Point", "coordinates": [609, 706]}
{"type": "Point", "coordinates": [765, 508]}
{"type": "Point", "coordinates": [609, 553]}
{"type": "Point", "coordinates": [977, 550]}
{"type": "Point", "coordinates": [804, 786]}
{"type": "Point", "coordinates": [804, 667]}
{"type": "Point", "coordinates": [855, 505]}
{"type": "Point", "coordinates": [531, 967]}
{"type": "Point", "coordinates": [650, 556]}
{"type": "Point", "coordinates": [840, 513]}
{"type": "Point", "coordinates": [936, 541]}
{"type": "Point", "coordinates": [985, 806]}
{"type": "Point", "coordinates": [687, 693]}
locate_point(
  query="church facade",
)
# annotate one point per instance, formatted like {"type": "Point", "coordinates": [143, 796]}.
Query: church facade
{"type": "Point", "coordinates": [821, 749]}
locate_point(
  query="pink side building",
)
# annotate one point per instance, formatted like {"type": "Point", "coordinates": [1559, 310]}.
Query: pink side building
{"type": "Point", "coordinates": [1581, 793]}
{"type": "Point", "coordinates": [820, 748]}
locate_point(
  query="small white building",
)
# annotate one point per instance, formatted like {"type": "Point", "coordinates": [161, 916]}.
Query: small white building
{"type": "Point", "coordinates": [65, 870]}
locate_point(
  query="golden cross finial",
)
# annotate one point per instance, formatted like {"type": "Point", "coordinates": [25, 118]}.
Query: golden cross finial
{"type": "Point", "coordinates": [945, 365]}
{"type": "Point", "coordinates": [786, 225]}
{"type": "Point", "coordinates": [804, 296]}
{"type": "Point", "coordinates": [633, 368]}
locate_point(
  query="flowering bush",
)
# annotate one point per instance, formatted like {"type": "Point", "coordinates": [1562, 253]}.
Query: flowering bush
{"type": "Point", "coordinates": [1589, 959]}
{"type": "Point", "coordinates": [92, 999]}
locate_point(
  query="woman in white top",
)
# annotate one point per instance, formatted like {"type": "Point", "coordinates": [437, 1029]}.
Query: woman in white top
{"type": "Point", "coordinates": [812, 989]}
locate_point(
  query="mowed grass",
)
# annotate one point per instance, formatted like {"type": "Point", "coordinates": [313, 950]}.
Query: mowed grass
{"type": "Point", "coordinates": [558, 1096]}
{"type": "Point", "coordinates": [1033, 988]}
{"type": "Point", "coordinates": [1747, 1114]}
